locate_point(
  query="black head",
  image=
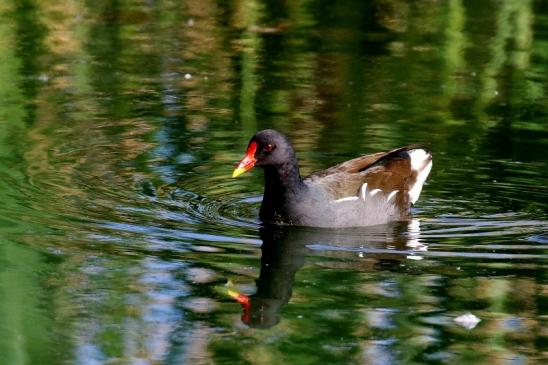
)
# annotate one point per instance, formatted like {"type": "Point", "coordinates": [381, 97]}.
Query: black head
{"type": "Point", "coordinates": [266, 148]}
{"type": "Point", "coordinates": [272, 148]}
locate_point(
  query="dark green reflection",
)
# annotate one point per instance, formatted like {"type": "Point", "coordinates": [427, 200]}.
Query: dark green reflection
{"type": "Point", "coordinates": [26, 308]}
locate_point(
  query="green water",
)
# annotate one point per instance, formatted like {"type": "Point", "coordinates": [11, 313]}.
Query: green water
{"type": "Point", "coordinates": [120, 227]}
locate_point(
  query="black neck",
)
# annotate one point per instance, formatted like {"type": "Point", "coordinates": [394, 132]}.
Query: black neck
{"type": "Point", "coordinates": [283, 184]}
{"type": "Point", "coordinates": [283, 179]}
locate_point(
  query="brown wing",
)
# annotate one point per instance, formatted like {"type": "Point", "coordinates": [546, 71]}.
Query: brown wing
{"type": "Point", "coordinates": [387, 171]}
{"type": "Point", "coordinates": [359, 163]}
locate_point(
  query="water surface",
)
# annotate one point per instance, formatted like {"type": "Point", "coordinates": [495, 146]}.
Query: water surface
{"type": "Point", "coordinates": [122, 234]}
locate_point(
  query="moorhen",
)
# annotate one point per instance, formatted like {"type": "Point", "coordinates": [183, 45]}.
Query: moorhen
{"type": "Point", "coordinates": [367, 190]}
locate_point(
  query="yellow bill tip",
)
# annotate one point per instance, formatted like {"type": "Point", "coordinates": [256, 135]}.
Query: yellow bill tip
{"type": "Point", "coordinates": [238, 171]}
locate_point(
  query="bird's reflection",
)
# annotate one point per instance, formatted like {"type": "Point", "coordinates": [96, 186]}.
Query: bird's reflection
{"type": "Point", "coordinates": [284, 250]}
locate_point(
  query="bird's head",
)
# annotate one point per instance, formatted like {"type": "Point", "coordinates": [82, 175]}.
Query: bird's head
{"type": "Point", "coordinates": [266, 148]}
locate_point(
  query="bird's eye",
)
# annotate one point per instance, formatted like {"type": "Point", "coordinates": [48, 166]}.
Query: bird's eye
{"type": "Point", "coordinates": [268, 148]}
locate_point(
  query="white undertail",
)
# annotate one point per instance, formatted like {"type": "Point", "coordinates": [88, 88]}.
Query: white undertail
{"type": "Point", "coordinates": [421, 163]}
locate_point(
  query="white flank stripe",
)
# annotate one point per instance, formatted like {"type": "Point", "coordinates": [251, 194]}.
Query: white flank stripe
{"type": "Point", "coordinates": [391, 195]}
{"type": "Point", "coordinates": [374, 191]}
{"type": "Point", "coordinates": [363, 191]}
{"type": "Point", "coordinates": [348, 198]}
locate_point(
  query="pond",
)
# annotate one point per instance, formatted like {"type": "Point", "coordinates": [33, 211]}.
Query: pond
{"type": "Point", "coordinates": [124, 239]}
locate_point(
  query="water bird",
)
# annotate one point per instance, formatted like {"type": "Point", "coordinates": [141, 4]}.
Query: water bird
{"type": "Point", "coordinates": [367, 190]}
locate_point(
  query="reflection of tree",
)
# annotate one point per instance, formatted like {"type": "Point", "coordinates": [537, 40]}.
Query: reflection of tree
{"type": "Point", "coordinates": [25, 322]}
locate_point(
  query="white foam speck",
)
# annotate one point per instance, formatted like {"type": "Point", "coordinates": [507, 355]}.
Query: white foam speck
{"type": "Point", "coordinates": [468, 320]}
